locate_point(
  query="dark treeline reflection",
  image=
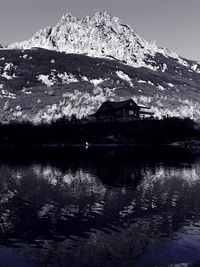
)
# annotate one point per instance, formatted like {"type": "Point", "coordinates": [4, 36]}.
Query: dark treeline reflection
{"type": "Point", "coordinates": [117, 203]}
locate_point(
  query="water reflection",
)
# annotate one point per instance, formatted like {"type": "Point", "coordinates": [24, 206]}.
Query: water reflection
{"type": "Point", "coordinates": [115, 204]}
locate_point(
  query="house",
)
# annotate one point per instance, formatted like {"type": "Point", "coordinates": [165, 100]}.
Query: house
{"type": "Point", "coordinates": [121, 111]}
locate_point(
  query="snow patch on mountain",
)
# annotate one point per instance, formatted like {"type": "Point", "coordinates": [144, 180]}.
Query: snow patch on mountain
{"type": "Point", "coordinates": [141, 81]}
{"type": "Point", "coordinates": [149, 82]}
{"type": "Point", "coordinates": [46, 80]}
{"type": "Point", "coordinates": [160, 87]}
{"type": "Point", "coordinates": [124, 77]}
{"type": "Point", "coordinates": [95, 82]}
{"type": "Point", "coordinates": [8, 71]}
{"type": "Point", "coordinates": [85, 79]}
{"type": "Point", "coordinates": [5, 94]}
{"type": "Point", "coordinates": [25, 56]}
{"type": "Point", "coordinates": [171, 85]}
{"type": "Point", "coordinates": [196, 68]}
{"type": "Point", "coordinates": [67, 78]}
{"type": "Point", "coordinates": [164, 67]}
{"type": "Point", "coordinates": [52, 79]}
{"type": "Point", "coordinates": [26, 91]}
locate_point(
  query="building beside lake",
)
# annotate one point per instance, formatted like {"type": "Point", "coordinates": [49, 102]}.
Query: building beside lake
{"type": "Point", "coordinates": [121, 111]}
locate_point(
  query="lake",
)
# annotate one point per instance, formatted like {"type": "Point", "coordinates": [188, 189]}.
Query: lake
{"type": "Point", "coordinates": [99, 207]}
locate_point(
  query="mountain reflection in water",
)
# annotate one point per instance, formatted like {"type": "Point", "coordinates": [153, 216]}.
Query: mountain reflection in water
{"type": "Point", "coordinates": [101, 208]}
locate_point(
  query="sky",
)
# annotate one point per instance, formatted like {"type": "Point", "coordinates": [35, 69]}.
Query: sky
{"type": "Point", "coordinates": [171, 23]}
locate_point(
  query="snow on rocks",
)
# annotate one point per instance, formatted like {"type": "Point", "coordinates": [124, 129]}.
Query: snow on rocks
{"type": "Point", "coordinates": [124, 77]}
{"type": "Point", "coordinates": [85, 79]}
{"type": "Point", "coordinates": [55, 78]}
{"type": "Point", "coordinates": [160, 87]}
{"type": "Point", "coordinates": [46, 80]}
{"type": "Point", "coordinates": [96, 82]}
{"type": "Point", "coordinates": [171, 85]}
{"type": "Point", "coordinates": [150, 83]}
{"type": "Point", "coordinates": [196, 68]}
{"type": "Point", "coordinates": [5, 94]}
{"type": "Point", "coordinates": [141, 81]}
{"type": "Point", "coordinates": [67, 78]}
{"type": "Point", "coordinates": [26, 91]}
{"type": "Point", "coordinates": [164, 67]}
{"type": "Point", "coordinates": [9, 71]}
{"type": "Point", "coordinates": [25, 56]}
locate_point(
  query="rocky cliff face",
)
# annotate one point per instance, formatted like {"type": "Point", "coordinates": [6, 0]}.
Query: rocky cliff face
{"type": "Point", "coordinates": [100, 36]}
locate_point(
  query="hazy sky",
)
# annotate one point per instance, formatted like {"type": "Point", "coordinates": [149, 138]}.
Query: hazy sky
{"type": "Point", "coordinates": [172, 23]}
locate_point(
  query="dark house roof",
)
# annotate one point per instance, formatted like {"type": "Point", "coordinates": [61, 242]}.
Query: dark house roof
{"type": "Point", "coordinates": [119, 105]}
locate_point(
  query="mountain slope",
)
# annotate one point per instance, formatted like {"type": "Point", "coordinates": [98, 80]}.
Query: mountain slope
{"type": "Point", "coordinates": [43, 85]}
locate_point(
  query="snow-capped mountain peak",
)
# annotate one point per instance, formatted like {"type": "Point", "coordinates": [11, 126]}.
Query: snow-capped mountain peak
{"type": "Point", "coordinates": [67, 17]}
{"type": "Point", "coordinates": [101, 35]}
{"type": "Point", "coordinates": [105, 17]}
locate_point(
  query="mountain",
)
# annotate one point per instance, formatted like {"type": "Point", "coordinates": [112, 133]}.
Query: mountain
{"type": "Point", "coordinates": [100, 36]}
{"type": "Point", "coordinates": [78, 64]}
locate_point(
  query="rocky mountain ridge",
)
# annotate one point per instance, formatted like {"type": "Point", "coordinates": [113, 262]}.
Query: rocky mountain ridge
{"type": "Point", "coordinates": [101, 35]}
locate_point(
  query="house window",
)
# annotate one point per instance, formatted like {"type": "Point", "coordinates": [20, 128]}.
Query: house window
{"type": "Point", "coordinates": [131, 112]}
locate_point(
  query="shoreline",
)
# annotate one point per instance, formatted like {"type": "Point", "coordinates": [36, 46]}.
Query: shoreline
{"type": "Point", "coordinates": [192, 146]}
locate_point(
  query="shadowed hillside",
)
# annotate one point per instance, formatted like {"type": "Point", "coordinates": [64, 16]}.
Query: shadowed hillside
{"type": "Point", "coordinates": [42, 85]}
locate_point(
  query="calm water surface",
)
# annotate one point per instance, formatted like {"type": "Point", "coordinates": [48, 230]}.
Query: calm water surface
{"type": "Point", "coordinates": [99, 208]}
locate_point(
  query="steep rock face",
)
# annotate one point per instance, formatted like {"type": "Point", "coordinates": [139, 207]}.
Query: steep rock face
{"type": "Point", "coordinates": [100, 36]}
